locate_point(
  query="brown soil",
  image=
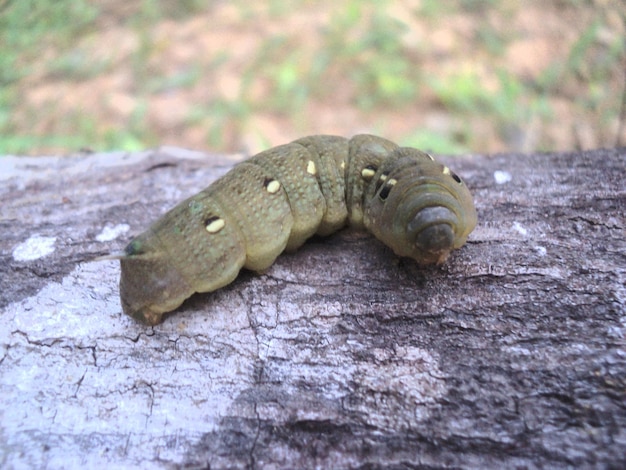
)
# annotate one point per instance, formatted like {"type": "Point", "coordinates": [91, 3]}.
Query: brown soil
{"type": "Point", "coordinates": [224, 46]}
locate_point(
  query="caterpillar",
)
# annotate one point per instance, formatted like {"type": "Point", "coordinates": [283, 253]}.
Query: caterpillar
{"type": "Point", "coordinates": [282, 196]}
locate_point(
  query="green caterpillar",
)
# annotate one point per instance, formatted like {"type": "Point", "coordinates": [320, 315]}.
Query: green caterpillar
{"type": "Point", "coordinates": [278, 199]}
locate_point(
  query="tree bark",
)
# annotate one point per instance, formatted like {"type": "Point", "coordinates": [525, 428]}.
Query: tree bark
{"type": "Point", "coordinates": [511, 355]}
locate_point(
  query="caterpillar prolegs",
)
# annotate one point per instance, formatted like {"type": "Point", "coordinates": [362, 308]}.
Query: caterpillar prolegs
{"type": "Point", "coordinates": [282, 196]}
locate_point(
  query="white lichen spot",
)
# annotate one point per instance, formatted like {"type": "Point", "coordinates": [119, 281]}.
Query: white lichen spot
{"type": "Point", "coordinates": [343, 165]}
{"type": "Point", "coordinates": [111, 233]}
{"type": "Point", "coordinates": [519, 228]}
{"type": "Point", "coordinates": [541, 250]}
{"type": "Point", "coordinates": [311, 169]}
{"type": "Point", "coordinates": [215, 225]}
{"type": "Point", "coordinates": [502, 177]}
{"type": "Point", "coordinates": [273, 186]}
{"type": "Point", "coordinates": [34, 248]}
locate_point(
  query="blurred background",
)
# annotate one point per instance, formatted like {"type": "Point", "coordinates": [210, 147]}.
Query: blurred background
{"type": "Point", "coordinates": [238, 76]}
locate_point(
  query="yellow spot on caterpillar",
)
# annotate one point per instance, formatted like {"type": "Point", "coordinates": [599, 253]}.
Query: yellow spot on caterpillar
{"type": "Point", "coordinates": [368, 173]}
{"type": "Point", "coordinates": [310, 168]}
{"type": "Point", "coordinates": [214, 224]}
{"type": "Point", "coordinates": [272, 186]}
{"type": "Point", "coordinates": [446, 170]}
{"type": "Point", "coordinates": [391, 182]}
{"type": "Point", "coordinates": [383, 177]}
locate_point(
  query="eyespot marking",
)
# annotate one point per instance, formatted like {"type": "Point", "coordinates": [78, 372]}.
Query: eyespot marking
{"type": "Point", "coordinates": [384, 193]}
{"type": "Point", "coordinates": [368, 172]}
{"type": "Point", "coordinates": [381, 180]}
{"type": "Point", "coordinates": [214, 224]}
{"type": "Point", "coordinates": [272, 186]}
{"type": "Point", "coordinates": [456, 177]}
{"type": "Point", "coordinates": [311, 169]}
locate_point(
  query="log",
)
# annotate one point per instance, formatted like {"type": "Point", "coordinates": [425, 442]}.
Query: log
{"type": "Point", "coordinates": [511, 355]}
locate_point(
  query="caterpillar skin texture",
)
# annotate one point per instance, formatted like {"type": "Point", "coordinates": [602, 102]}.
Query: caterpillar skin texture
{"type": "Point", "coordinates": [278, 199]}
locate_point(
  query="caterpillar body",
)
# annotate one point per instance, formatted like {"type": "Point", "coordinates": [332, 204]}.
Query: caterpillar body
{"type": "Point", "coordinates": [278, 199]}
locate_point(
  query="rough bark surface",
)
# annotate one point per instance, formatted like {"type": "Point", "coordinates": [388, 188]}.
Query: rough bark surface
{"type": "Point", "coordinates": [512, 355]}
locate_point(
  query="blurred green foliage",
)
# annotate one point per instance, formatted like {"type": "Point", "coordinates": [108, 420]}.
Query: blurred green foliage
{"type": "Point", "coordinates": [362, 46]}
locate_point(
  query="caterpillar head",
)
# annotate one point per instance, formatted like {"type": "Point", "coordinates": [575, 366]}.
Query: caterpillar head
{"type": "Point", "coordinates": [418, 207]}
